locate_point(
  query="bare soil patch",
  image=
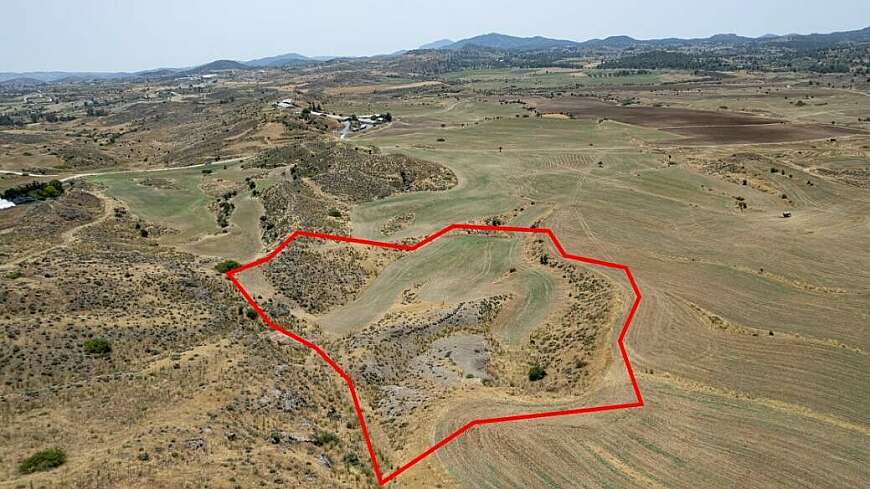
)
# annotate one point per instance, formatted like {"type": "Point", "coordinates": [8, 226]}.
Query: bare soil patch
{"type": "Point", "coordinates": [759, 133]}
{"type": "Point", "coordinates": [381, 87]}
{"type": "Point", "coordinates": [698, 126]}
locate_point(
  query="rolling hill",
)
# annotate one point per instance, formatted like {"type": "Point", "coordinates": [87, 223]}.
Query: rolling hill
{"type": "Point", "coordinates": [280, 60]}
{"type": "Point", "coordinates": [439, 44]}
{"type": "Point", "coordinates": [508, 43]}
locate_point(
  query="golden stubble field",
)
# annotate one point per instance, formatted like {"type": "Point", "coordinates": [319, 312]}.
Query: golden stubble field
{"type": "Point", "coordinates": [751, 342]}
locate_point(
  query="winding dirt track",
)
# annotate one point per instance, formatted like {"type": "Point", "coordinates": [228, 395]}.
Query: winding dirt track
{"type": "Point", "coordinates": [67, 178]}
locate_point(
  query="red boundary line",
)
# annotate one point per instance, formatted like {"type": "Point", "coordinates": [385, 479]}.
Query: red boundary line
{"type": "Point", "coordinates": [383, 479]}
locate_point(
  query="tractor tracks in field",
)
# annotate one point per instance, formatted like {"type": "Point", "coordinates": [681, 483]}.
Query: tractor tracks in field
{"type": "Point", "coordinates": [689, 385]}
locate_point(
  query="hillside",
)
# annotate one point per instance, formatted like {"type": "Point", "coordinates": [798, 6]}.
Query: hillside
{"type": "Point", "coordinates": [508, 43]}
{"type": "Point", "coordinates": [441, 43]}
{"type": "Point", "coordinates": [280, 60]}
{"type": "Point", "coordinates": [219, 65]}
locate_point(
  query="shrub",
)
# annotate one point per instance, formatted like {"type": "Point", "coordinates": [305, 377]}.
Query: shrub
{"type": "Point", "coordinates": [42, 461]}
{"type": "Point", "coordinates": [334, 213]}
{"type": "Point", "coordinates": [50, 192]}
{"type": "Point", "coordinates": [325, 438]}
{"type": "Point", "coordinates": [227, 265]}
{"type": "Point", "coordinates": [537, 373]}
{"type": "Point", "coordinates": [252, 314]}
{"type": "Point", "coordinates": [351, 458]}
{"type": "Point", "coordinates": [35, 190]}
{"type": "Point", "coordinates": [14, 274]}
{"type": "Point", "coordinates": [97, 346]}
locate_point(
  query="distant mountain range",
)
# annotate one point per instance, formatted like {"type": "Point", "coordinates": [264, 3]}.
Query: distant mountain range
{"type": "Point", "coordinates": [492, 41]}
{"type": "Point", "coordinates": [504, 42]}
{"type": "Point", "coordinates": [512, 43]}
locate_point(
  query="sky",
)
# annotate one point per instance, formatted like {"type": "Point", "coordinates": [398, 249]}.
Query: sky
{"type": "Point", "coordinates": [125, 35]}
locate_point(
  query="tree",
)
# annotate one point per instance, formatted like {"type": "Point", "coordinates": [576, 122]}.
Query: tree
{"type": "Point", "coordinates": [227, 265]}
{"type": "Point", "coordinates": [536, 373]}
{"type": "Point", "coordinates": [50, 192]}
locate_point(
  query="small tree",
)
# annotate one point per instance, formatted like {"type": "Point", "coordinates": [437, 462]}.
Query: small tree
{"type": "Point", "coordinates": [536, 373]}
{"type": "Point", "coordinates": [50, 192]}
{"type": "Point", "coordinates": [227, 265]}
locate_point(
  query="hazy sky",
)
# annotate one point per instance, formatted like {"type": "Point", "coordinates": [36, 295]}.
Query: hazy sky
{"type": "Point", "coordinates": [121, 35]}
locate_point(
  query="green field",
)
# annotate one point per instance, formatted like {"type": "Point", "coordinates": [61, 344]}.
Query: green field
{"type": "Point", "coordinates": [178, 201]}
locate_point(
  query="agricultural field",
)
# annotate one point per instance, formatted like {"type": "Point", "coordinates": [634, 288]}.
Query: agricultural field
{"type": "Point", "coordinates": [742, 214]}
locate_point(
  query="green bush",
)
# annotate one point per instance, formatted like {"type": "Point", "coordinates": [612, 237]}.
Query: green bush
{"type": "Point", "coordinates": [50, 192]}
{"type": "Point", "coordinates": [252, 314]}
{"type": "Point", "coordinates": [351, 458]}
{"type": "Point", "coordinates": [537, 373]}
{"type": "Point", "coordinates": [325, 438]}
{"type": "Point", "coordinates": [334, 213]}
{"type": "Point", "coordinates": [97, 346]}
{"type": "Point", "coordinates": [14, 274]}
{"type": "Point", "coordinates": [35, 190]}
{"type": "Point", "coordinates": [42, 461]}
{"type": "Point", "coordinates": [227, 265]}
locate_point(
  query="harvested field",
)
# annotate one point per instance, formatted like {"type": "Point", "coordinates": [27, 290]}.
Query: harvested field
{"type": "Point", "coordinates": [375, 88]}
{"type": "Point", "coordinates": [758, 133]}
{"type": "Point", "coordinates": [697, 126]}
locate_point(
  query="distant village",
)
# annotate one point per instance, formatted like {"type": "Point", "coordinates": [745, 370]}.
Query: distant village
{"type": "Point", "coordinates": [350, 123]}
